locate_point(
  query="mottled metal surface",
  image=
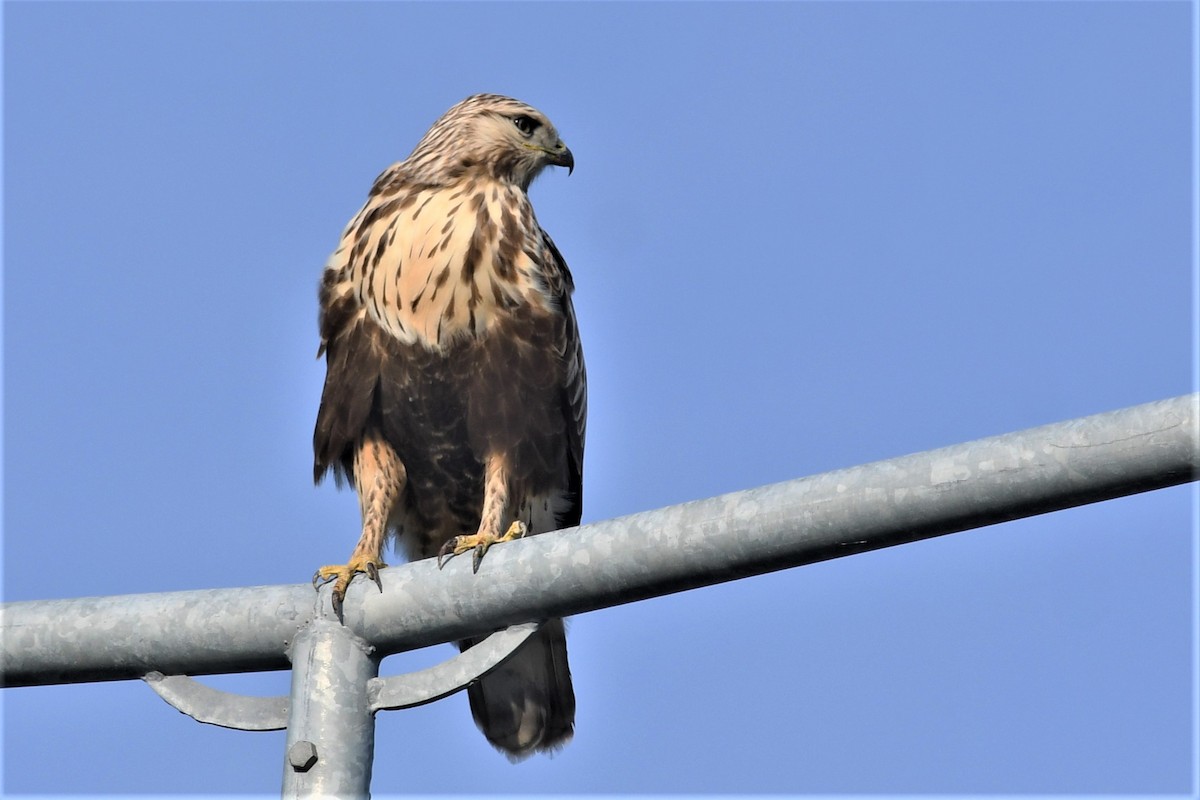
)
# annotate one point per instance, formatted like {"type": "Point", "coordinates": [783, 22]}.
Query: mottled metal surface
{"type": "Point", "coordinates": [788, 524]}
{"type": "Point", "coordinates": [215, 707]}
{"type": "Point", "coordinates": [248, 713]}
{"type": "Point", "coordinates": [123, 637]}
{"type": "Point", "coordinates": [434, 683]}
{"type": "Point", "coordinates": [329, 711]}
{"type": "Point", "coordinates": [643, 555]}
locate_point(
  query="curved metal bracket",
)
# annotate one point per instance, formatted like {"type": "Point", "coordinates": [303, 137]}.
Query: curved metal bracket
{"type": "Point", "coordinates": [243, 712]}
{"type": "Point", "coordinates": [215, 707]}
{"type": "Point", "coordinates": [434, 683]}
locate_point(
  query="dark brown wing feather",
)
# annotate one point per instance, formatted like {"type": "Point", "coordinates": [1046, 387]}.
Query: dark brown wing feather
{"type": "Point", "coordinates": [351, 380]}
{"type": "Point", "coordinates": [574, 388]}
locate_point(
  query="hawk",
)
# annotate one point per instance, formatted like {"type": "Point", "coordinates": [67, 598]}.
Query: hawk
{"type": "Point", "coordinates": [455, 395]}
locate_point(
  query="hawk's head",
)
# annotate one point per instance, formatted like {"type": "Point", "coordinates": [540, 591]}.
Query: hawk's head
{"type": "Point", "coordinates": [510, 141]}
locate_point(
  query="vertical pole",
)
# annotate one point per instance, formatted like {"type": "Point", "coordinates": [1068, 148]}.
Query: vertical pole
{"type": "Point", "coordinates": [331, 728]}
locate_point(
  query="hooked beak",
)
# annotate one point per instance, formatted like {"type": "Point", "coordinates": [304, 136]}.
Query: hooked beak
{"type": "Point", "coordinates": [561, 156]}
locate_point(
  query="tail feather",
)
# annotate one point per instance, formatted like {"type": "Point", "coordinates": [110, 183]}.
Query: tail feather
{"type": "Point", "coordinates": [527, 704]}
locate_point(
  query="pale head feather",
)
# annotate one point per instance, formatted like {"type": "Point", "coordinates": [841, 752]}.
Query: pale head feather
{"type": "Point", "coordinates": [503, 138]}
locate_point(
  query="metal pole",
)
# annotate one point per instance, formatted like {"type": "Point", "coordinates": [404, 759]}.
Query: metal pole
{"type": "Point", "coordinates": [709, 541]}
{"type": "Point", "coordinates": [788, 524]}
{"type": "Point", "coordinates": [331, 726]}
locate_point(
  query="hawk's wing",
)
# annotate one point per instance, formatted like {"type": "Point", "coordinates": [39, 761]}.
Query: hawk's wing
{"type": "Point", "coordinates": [574, 390]}
{"type": "Point", "coordinates": [351, 344]}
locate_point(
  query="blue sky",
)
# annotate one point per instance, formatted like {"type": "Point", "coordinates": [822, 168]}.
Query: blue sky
{"type": "Point", "coordinates": [804, 236]}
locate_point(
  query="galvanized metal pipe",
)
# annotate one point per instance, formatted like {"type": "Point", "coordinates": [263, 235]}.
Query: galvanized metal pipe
{"type": "Point", "coordinates": [602, 564]}
{"type": "Point", "coordinates": [331, 725]}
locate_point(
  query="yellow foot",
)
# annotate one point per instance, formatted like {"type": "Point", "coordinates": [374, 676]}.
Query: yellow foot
{"type": "Point", "coordinates": [342, 574]}
{"type": "Point", "coordinates": [479, 542]}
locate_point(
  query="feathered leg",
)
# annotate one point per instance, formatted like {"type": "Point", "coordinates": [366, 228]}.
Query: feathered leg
{"type": "Point", "coordinates": [527, 704]}
{"type": "Point", "coordinates": [495, 508]}
{"type": "Point", "coordinates": [379, 477]}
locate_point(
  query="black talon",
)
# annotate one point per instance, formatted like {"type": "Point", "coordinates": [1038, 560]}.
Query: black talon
{"type": "Point", "coordinates": [373, 574]}
{"type": "Point", "coordinates": [447, 551]}
{"type": "Point", "coordinates": [477, 558]}
{"type": "Point", "coordinates": [337, 605]}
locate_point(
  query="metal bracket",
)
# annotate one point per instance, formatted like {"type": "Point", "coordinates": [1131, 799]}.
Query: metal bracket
{"type": "Point", "coordinates": [434, 683]}
{"type": "Point", "coordinates": [244, 712]}
{"type": "Point", "coordinates": [215, 707]}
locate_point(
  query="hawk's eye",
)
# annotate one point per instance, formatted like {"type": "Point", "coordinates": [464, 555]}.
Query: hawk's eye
{"type": "Point", "coordinates": [525, 125]}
